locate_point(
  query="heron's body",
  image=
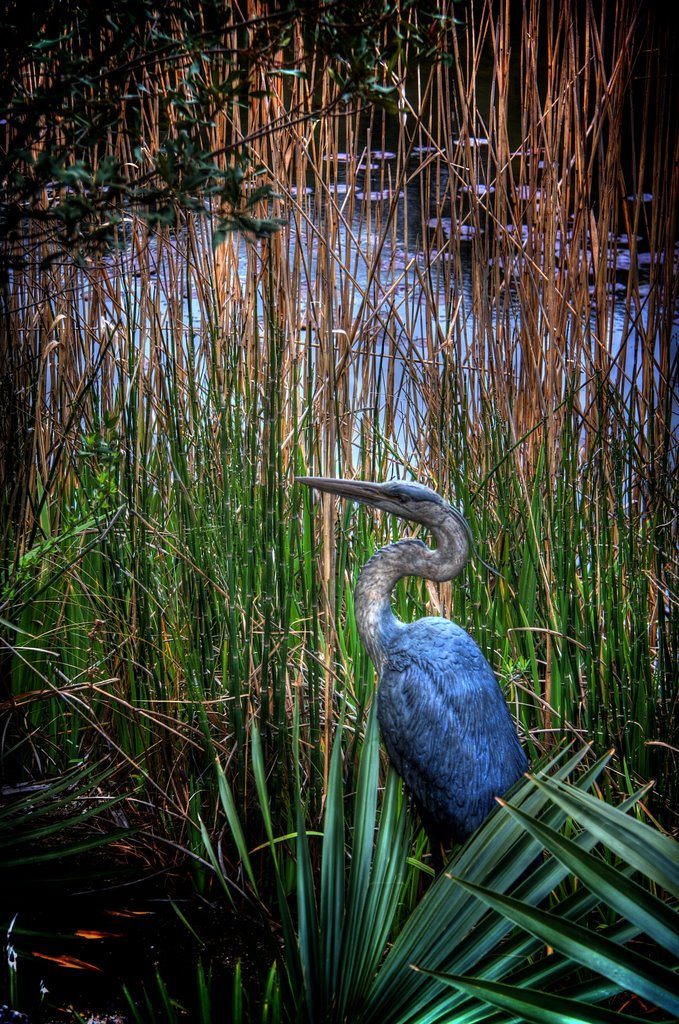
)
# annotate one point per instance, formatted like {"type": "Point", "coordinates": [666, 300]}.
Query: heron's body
{"type": "Point", "coordinates": [442, 714]}
{"type": "Point", "coordinates": [446, 726]}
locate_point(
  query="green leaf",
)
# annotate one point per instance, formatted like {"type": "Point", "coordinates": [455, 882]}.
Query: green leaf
{"type": "Point", "coordinates": [586, 946]}
{"type": "Point", "coordinates": [634, 902]}
{"type": "Point", "coordinates": [532, 1004]}
{"type": "Point", "coordinates": [645, 849]}
{"type": "Point", "coordinates": [446, 929]}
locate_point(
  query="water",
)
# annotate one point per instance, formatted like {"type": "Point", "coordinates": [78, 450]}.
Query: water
{"type": "Point", "coordinates": [77, 947]}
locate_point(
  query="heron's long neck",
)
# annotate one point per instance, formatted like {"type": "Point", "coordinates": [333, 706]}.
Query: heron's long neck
{"type": "Point", "coordinates": [375, 620]}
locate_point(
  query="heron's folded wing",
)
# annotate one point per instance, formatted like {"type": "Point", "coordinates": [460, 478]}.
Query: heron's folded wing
{"type": "Point", "coordinates": [446, 725]}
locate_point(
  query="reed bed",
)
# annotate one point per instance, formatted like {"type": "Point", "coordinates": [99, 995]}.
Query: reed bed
{"type": "Point", "coordinates": [475, 291]}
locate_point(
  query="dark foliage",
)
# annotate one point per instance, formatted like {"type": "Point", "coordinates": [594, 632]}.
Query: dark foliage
{"type": "Point", "coordinates": [107, 108]}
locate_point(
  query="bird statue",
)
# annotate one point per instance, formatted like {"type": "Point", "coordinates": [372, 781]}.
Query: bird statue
{"type": "Point", "coordinates": [442, 714]}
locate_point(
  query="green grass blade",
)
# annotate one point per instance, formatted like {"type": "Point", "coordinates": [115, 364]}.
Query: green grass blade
{"type": "Point", "coordinates": [362, 845]}
{"type": "Point", "coordinates": [294, 953]}
{"type": "Point", "coordinates": [205, 1013]}
{"type": "Point", "coordinates": [237, 995]}
{"type": "Point", "coordinates": [259, 771]}
{"type": "Point", "coordinates": [371, 921]}
{"type": "Point", "coordinates": [230, 810]}
{"type": "Point", "coordinates": [307, 919]}
{"type": "Point", "coordinates": [332, 873]}
{"type": "Point", "coordinates": [214, 860]}
{"type": "Point", "coordinates": [80, 847]}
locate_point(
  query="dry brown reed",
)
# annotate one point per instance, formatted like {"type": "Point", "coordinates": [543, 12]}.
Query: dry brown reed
{"type": "Point", "coordinates": [446, 298]}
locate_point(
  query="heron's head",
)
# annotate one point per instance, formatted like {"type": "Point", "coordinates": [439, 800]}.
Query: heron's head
{"type": "Point", "coordinates": [402, 498]}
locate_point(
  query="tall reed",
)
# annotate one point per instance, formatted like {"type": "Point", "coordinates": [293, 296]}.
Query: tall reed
{"type": "Point", "coordinates": [446, 300]}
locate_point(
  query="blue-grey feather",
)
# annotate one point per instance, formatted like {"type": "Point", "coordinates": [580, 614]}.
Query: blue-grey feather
{"type": "Point", "coordinates": [446, 725]}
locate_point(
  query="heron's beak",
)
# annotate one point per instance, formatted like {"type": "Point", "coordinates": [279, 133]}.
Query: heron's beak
{"type": "Point", "coordinates": [354, 490]}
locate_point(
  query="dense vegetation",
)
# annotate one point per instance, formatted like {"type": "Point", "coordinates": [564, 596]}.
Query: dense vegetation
{"type": "Point", "coordinates": [240, 246]}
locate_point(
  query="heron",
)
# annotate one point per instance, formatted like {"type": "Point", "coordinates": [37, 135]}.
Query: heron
{"type": "Point", "coordinates": [442, 714]}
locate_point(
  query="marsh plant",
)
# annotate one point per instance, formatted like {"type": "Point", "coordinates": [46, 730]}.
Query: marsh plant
{"type": "Point", "coordinates": [472, 284]}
